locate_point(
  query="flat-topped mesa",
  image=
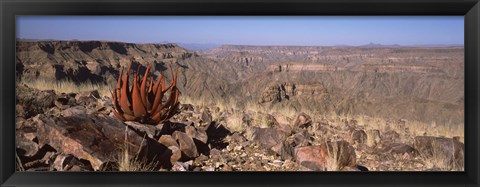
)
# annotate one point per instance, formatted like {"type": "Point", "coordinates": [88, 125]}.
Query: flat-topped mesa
{"type": "Point", "coordinates": [401, 68]}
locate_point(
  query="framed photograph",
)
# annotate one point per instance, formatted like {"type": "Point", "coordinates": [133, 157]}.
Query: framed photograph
{"type": "Point", "coordinates": [242, 93]}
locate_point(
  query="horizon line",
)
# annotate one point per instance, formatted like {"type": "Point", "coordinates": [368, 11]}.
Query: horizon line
{"type": "Point", "coordinates": [370, 44]}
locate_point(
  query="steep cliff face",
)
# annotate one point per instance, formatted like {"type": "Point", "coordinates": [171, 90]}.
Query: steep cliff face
{"type": "Point", "coordinates": [97, 61]}
{"type": "Point", "coordinates": [100, 62]}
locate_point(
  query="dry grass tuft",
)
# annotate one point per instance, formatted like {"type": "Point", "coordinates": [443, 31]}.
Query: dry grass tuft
{"type": "Point", "coordinates": [336, 156]}
{"type": "Point", "coordinates": [235, 122]}
{"type": "Point", "coordinates": [127, 162]}
{"type": "Point", "coordinates": [441, 160]}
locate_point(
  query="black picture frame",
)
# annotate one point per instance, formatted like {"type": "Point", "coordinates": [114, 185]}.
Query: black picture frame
{"type": "Point", "coordinates": [9, 9]}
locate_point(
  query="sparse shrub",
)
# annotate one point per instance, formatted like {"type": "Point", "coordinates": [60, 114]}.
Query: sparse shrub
{"type": "Point", "coordinates": [144, 101]}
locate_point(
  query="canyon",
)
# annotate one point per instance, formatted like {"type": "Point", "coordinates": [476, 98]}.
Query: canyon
{"type": "Point", "coordinates": [414, 83]}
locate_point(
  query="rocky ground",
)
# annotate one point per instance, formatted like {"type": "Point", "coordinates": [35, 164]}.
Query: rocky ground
{"type": "Point", "coordinates": [78, 132]}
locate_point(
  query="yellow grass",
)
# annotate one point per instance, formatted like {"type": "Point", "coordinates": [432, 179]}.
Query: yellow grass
{"type": "Point", "coordinates": [441, 161]}
{"type": "Point", "coordinates": [127, 162]}
{"type": "Point", "coordinates": [66, 86]}
{"type": "Point", "coordinates": [235, 122]}
{"type": "Point", "coordinates": [415, 128]}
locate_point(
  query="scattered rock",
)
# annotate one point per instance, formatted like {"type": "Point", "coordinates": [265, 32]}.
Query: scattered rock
{"type": "Point", "coordinates": [65, 101]}
{"type": "Point", "coordinates": [186, 107]}
{"type": "Point", "coordinates": [70, 163]}
{"type": "Point", "coordinates": [187, 146]}
{"type": "Point", "coordinates": [301, 138]}
{"type": "Point", "coordinates": [390, 136]}
{"type": "Point", "coordinates": [25, 143]}
{"type": "Point", "coordinates": [359, 136]}
{"type": "Point", "coordinates": [265, 137]}
{"type": "Point", "coordinates": [198, 134]}
{"type": "Point", "coordinates": [34, 102]}
{"type": "Point", "coordinates": [205, 117]}
{"type": "Point", "coordinates": [168, 141]}
{"type": "Point", "coordinates": [76, 110]}
{"type": "Point", "coordinates": [285, 128]}
{"type": "Point", "coordinates": [285, 150]}
{"type": "Point", "coordinates": [144, 129]}
{"type": "Point", "coordinates": [400, 148]}
{"type": "Point", "coordinates": [237, 138]}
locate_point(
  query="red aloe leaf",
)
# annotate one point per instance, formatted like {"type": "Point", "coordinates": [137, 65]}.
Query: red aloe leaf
{"type": "Point", "coordinates": [150, 95]}
{"type": "Point", "coordinates": [119, 84]}
{"type": "Point", "coordinates": [138, 106]}
{"type": "Point", "coordinates": [157, 84]}
{"type": "Point", "coordinates": [157, 103]}
{"type": "Point", "coordinates": [143, 86]}
{"type": "Point", "coordinates": [115, 102]}
{"type": "Point", "coordinates": [129, 117]}
{"type": "Point", "coordinates": [125, 97]}
{"type": "Point", "coordinates": [119, 116]}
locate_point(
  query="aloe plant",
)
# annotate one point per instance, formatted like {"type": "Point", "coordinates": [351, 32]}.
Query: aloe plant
{"type": "Point", "coordinates": [144, 101]}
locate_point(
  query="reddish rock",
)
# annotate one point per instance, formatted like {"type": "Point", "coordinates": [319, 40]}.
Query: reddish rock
{"type": "Point", "coordinates": [301, 138]}
{"type": "Point", "coordinates": [176, 154]}
{"type": "Point", "coordinates": [187, 146]}
{"type": "Point", "coordinates": [285, 150]}
{"type": "Point", "coordinates": [318, 158]}
{"type": "Point", "coordinates": [70, 163]}
{"type": "Point", "coordinates": [237, 138]}
{"type": "Point", "coordinates": [400, 148]}
{"type": "Point", "coordinates": [390, 136]}
{"type": "Point", "coordinates": [143, 129]}
{"type": "Point", "coordinates": [198, 134]}
{"type": "Point", "coordinates": [93, 138]}
{"type": "Point", "coordinates": [168, 141]}
{"type": "Point", "coordinates": [205, 117]}
{"type": "Point", "coordinates": [449, 149]}
{"type": "Point", "coordinates": [285, 128]}
{"type": "Point", "coordinates": [265, 137]}
{"type": "Point", "coordinates": [25, 144]}
{"type": "Point", "coordinates": [76, 110]}
{"type": "Point", "coordinates": [303, 120]}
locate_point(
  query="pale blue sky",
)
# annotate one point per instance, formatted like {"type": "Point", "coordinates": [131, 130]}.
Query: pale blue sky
{"type": "Point", "coordinates": [249, 30]}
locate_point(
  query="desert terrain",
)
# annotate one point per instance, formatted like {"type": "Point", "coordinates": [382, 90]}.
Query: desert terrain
{"type": "Point", "coordinates": [243, 108]}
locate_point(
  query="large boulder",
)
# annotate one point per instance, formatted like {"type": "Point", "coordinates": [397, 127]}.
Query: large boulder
{"type": "Point", "coordinates": [97, 139]}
